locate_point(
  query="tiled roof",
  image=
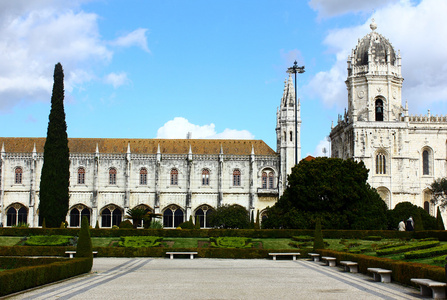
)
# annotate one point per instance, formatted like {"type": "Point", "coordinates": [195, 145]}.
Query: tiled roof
{"type": "Point", "coordinates": [143, 146]}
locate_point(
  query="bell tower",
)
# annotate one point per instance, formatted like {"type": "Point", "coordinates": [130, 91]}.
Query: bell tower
{"type": "Point", "coordinates": [287, 113]}
{"type": "Point", "coordinates": [374, 80]}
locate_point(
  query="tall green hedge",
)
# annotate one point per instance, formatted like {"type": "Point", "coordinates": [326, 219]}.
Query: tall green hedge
{"type": "Point", "coordinates": [20, 279]}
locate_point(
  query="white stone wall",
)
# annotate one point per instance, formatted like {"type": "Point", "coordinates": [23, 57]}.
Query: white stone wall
{"type": "Point", "coordinates": [128, 193]}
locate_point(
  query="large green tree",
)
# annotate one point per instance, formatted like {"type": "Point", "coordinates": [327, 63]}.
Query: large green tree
{"type": "Point", "coordinates": [332, 189]}
{"type": "Point", "coordinates": [439, 192]}
{"type": "Point", "coordinates": [230, 216]}
{"type": "Point", "coordinates": [404, 210]}
{"type": "Point", "coordinates": [54, 179]}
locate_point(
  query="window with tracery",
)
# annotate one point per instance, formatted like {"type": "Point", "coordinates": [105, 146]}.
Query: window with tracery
{"type": "Point", "coordinates": [143, 176]}
{"type": "Point", "coordinates": [237, 177]}
{"type": "Point", "coordinates": [18, 175]}
{"type": "Point", "coordinates": [205, 177]}
{"type": "Point", "coordinates": [264, 180]}
{"type": "Point", "coordinates": [81, 176]}
{"type": "Point", "coordinates": [425, 162]}
{"type": "Point", "coordinates": [112, 176]}
{"type": "Point", "coordinates": [380, 163]}
{"type": "Point", "coordinates": [174, 177]}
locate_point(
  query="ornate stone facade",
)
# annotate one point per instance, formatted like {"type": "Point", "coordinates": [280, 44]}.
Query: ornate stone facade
{"type": "Point", "coordinates": [405, 154]}
{"type": "Point", "coordinates": [177, 178]}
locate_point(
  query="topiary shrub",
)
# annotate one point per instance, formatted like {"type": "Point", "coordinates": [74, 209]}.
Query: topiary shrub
{"type": "Point", "coordinates": [97, 224]}
{"type": "Point", "coordinates": [186, 225]}
{"type": "Point", "coordinates": [318, 236]}
{"type": "Point", "coordinates": [84, 247]}
{"type": "Point", "coordinates": [439, 221]}
{"type": "Point", "coordinates": [126, 224]}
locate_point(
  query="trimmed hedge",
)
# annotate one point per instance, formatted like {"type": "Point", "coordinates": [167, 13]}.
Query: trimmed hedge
{"type": "Point", "coordinates": [435, 251]}
{"type": "Point", "coordinates": [34, 250]}
{"type": "Point", "coordinates": [231, 242]}
{"type": "Point", "coordinates": [17, 262]}
{"type": "Point", "coordinates": [23, 278]}
{"type": "Point", "coordinates": [48, 240]}
{"type": "Point", "coordinates": [140, 241]}
{"type": "Point", "coordinates": [402, 271]}
{"type": "Point", "coordinates": [206, 233]}
{"type": "Point", "coordinates": [406, 248]}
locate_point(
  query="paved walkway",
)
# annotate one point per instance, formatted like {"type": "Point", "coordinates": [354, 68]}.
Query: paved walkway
{"type": "Point", "coordinates": [156, 278]}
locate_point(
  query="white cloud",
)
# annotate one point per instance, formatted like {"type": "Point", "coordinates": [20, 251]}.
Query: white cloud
{"type": "Point", "coordinates": [418, 32]}
{"type": "Point", "coordinates": [323, 148]}
{"type": "Point", "coordinates": [179, 127]}
{"type": "Point", "coordinates": [331, 8]}
{"type": "Point", "coordinates": [38, 34]}
{"type": "Point", "coordinates": [134, 38]}
{"type": "Point", "coordinates": [116, 79]}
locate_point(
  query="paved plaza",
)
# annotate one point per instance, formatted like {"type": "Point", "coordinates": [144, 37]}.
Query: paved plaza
{"type": "Point", "coordinates": [158, 278]}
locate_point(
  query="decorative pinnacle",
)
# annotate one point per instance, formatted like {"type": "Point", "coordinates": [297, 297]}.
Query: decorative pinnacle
{"type": "Point", "coordinates": [373, 25]}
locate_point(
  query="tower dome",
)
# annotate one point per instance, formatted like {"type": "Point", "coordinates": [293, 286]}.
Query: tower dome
{"type": "Point", "coordinates": [373, 48]}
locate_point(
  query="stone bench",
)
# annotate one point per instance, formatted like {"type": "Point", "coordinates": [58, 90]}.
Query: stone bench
{"type": "Point", "coordinates": [191, 254]}
{"type": "Point", "coordinates": [72, 253]}
{"type": "Point", "coordinates": [381, 275]}
{"type": "Point", "coordinates": [329, 261]}
{"type": "Point", "coordinates": [430, 287]}
{"type": "Point", "coordinates": [350, 266]}
{"type": "Point", "coordinates": [293, 254]}
{"type": "Point", "coordinates": [314, 256]}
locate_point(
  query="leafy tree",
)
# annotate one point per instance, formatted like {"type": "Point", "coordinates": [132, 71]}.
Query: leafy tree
{"type": "Point", "coordinates": [148, 220]}
{"type": "Point", "coordinates": [439, 192]}
{"type": "Point", "coordinates": [84, 246]}
{"type": "Point", "coordinates": [53, 206]}
{"type": "Point", "coordinates": [332, 189]}
{"type": "Point", "coordinates": [439, 221]}
{"type": "Point", "coordinates": [136, 214]}
{"type": "Point", "coordinates": [404, 210]}
{"type": "Point", "coordinates": [230, 216]}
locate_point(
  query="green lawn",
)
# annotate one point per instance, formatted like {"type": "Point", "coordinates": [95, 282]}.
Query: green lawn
{"type": "Point", "coordinates": [9, 240]}
{"type": "Point", "coordinates": [184, 242]}
{"type": "Point", "coordinates": [275, 243]}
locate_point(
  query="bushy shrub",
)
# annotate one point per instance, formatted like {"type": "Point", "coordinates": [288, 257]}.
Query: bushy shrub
{"type": "Point", "coordinates": [126, 224]}
{"type": "Point", "coordinates": [140, 241]}
{"type": "Point", "coordinates": [230, 216]}
{"type": "Point", "coordinates": [186, 225]}
{"type": "Point", "coordinates": [156, 224]}
{"type": "Point", "coordinates": [231, 242]}
{"type": "Point", "coordinates": [48, 240]}
{"type": "Point", "coordinates": [404, 210]}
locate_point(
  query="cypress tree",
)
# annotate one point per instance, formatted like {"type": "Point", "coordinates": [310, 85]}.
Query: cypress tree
{"type": "Point", "coordinates": [439, 221]}
{"type": "Point", "coordinates": [318, 236]}
{"type": "Point", "coordinates": [84, 246]}
{"type": "Point", "coordinates": [54, 180]}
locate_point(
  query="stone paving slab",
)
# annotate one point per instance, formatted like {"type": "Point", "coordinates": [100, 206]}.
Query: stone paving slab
{"type": "Point", "coordinates": [156, 278]}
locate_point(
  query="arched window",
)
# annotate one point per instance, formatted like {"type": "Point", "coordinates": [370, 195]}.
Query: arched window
{"type": "Point", "coordinates": [379, 110]}
{"type": "Point", "coordinates": [203, 215]}
{"type": "Point", "coordinates": [178, 217]}
{"type": "Point", "coordinates": [74, 218]}
{"type": "Point", "coordinates": [117, 217]}
{"type": "Point", "coordinates": [380, 163]}
{"type": "Point", "coordinates": [106, 218]}
{"type": "Point", "coordinates": [167, 218]}
{"type": "Point", "coordinates": [16, 214]}
{"type": "Point", "coordinates": [271, 181]}
{"type": "Point", "coordinates": [112, 176]}
{"type": "Point", "coordinates": [291, 136]}
{"type": "Point", "coordinates": [236, 177]}
{"type": "Point", "coordinates": [85, 213]}
{"type": "Point", "coordinates": [81, 176]}
{"type": "Point", "coordinates": [18, 175]}
{"type": "Point", "coordinates": [425, 162]}
{"type": "Point", "coordinates": [143, 176]}
{"type": "Point", "coordinates": [205, 177]}
{"type": "Point", "coordinates": [11, 217]}
{"type": "Point", "coordinates": [22, 215]}
{"type": "Point", "coordinates": [174, 177]}
{"type": "Point", "coordinates": [264, 180]}
{"type": "Point", "coordinates": [427, 206]}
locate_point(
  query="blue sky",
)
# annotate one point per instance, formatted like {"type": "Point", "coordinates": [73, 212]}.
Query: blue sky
{"type": "Point", "coordinates": [147, 69]}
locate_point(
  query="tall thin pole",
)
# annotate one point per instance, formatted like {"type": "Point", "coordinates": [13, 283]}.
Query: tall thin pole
{"type": "Point", "coordinates": [295, 69]}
